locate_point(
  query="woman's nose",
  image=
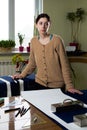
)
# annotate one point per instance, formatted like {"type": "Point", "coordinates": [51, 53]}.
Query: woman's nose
{"type": "Point", "coordinates": [43, 25]}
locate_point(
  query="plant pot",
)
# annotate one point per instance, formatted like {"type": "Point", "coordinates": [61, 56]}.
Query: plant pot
{"type": "Point", "coordinates": [7, 49]}
{"type": "Point", "coordinates": [28, 48]}
{"type": "Point", "coordinates": [21, 48]}
{"type": "Point", "coordinates": [74, 44]}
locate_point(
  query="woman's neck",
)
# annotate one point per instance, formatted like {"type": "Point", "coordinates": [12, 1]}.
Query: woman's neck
{"type": "Point", "coordinates": [43, 36]}
{"type": "Point", "coordinates": [44, 39]}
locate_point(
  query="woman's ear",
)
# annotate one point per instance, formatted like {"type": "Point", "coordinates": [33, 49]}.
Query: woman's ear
{"type": "Point", "coordinates": [49, 24]}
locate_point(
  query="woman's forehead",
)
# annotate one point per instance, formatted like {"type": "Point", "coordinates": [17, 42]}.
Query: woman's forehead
{"type": "Point", "coordinates": [43, 19]}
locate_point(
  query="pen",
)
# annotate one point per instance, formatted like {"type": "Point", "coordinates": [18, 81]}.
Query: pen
{"type": "Point", "coordinates": [25, 111]}
{"type": "Point", "coordinates": [10, 110]}
{"type": "Point", "coordinates": [18, 113]}
{"type": "Point", "coordinates": [22, 111]}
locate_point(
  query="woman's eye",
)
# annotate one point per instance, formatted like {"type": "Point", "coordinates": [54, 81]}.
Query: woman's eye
{"type": "Point", "coordinates": [40, 23]}
{"type": "Point", "coordinates": [46, 24]}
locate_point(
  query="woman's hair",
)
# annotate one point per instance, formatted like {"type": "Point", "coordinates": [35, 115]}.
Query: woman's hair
{"type": "Point", "coordinates": [43, 15]}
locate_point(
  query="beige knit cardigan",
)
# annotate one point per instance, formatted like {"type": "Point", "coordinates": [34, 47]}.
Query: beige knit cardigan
{"type": "Point", "coordinates": [51, 61]}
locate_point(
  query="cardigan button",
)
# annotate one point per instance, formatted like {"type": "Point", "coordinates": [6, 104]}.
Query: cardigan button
{"type": "Point", "coordinates": [46, 75]}
{"type": "Point", "coordinates": [43, 50]}
{"type": "Point", "coordinates": [45, 68]}
{"type": "Point", "coordinates": [44, 57]}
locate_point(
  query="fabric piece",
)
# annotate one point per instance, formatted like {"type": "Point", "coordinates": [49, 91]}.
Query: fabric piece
{"type": "Point", "coordinates": [82, 97]}
{"type": "Point", "coordinates": [73, 111]}
{"type": "Point", "coordinates": [8, 87]}
{"type": "Point", "coordinates": [21, 84]}
{"type": "Point", "coordinates": [67, 114]}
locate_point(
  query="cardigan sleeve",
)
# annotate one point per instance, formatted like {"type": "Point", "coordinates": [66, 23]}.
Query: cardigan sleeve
{"type": "Point", "coordinates": [65, 66]}
{"type": "Point", "coordinates": [30, 67]}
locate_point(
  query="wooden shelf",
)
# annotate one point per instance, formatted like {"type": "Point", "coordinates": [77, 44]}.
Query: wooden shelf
{"type": "Point", "coordinates": [80, 58]}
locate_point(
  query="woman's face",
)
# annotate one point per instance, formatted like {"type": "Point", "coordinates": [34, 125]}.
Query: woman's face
{"type": "Point", "coordinates": [43, 25]}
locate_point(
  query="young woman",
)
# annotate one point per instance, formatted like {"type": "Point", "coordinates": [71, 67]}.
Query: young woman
{"type": "Point", "coordinates": [48, 56]}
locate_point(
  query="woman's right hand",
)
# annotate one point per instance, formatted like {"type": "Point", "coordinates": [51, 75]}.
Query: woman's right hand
{"type": "Point", "coordinates": [17, 76]}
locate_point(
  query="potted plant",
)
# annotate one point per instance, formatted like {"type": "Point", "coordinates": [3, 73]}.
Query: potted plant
{"type": "Point", "coordinates": [28, 47]}
{"type": "Point", "coordinates": [76, 18]}
{"type": "Point", "coordinates": [19, 61]}
{"type": "Point", "coordinates": [21, 39]}
{"type": "Point", "coordinates": [6, 45]}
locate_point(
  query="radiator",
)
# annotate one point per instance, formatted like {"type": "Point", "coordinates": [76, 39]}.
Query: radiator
{"type": "Point", "coordinates": [6, 68]}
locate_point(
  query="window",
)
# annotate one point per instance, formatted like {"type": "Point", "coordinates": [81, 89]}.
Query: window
{"type": "Point", "coordinates": [24, 20]}
{"type": "Point", "coordinates": [17, 16]}
{"type": "Point", "coordinates": [3, 19]}
{"type": "Point", "coordinates": [25, 12]}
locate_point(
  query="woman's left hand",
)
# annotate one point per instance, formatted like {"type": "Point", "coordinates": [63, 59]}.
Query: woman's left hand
{"type": "Point", "coordinates": [73, 90]}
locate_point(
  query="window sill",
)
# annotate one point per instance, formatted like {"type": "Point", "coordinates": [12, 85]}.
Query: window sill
{"type": "Point", "coordinates": [13, 52]}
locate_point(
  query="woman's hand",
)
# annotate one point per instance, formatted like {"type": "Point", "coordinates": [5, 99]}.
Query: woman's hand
{"type": "Point", "coordinates": [73, 90]}
{"type": "Point", "coordinates": [17, 76]}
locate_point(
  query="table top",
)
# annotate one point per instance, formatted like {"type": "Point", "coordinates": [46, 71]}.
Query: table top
{"type": "Point", "coordinates": [43, 99]}
{"type": "Point", "coordinates": [18, 114]}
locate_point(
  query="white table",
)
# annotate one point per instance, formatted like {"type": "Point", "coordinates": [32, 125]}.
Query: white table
{"type": "Point", "coordinates": [43, 99]}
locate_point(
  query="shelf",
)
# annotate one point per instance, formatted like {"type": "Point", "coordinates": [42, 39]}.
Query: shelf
{"type": "Point", "coordinates": [81, 57]}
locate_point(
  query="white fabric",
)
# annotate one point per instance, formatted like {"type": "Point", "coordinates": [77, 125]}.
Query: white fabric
{"type": "Point", "coordinates": [21, 83]}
